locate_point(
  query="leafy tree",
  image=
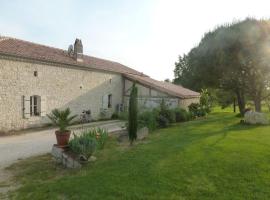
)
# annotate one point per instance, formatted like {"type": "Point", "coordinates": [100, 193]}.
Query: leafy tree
{"type": "Point", "coordinates": [133, 114]}
{"type": "Point", "coordinates": [234, 58]}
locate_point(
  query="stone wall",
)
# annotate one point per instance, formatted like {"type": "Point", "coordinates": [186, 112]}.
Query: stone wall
{"type": "Point", "coordinates": [148, 98]}
{"type": "Point", "coordinates": [184, 103]}
{"type": "Point", "coordinates": [151, 98]}
{"type": "Point", "coordinates": [58, 87]}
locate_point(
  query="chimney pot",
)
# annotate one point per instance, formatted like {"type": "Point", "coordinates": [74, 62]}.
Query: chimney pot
{"type": "Point", "coordinates": [78, 50]}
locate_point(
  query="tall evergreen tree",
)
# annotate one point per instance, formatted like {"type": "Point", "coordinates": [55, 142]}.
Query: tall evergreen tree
{"type": "Point", "coordinates": [133, 114]}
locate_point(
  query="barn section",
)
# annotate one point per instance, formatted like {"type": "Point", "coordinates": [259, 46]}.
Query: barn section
{"type": "Point", "coordinates": [151, 92]}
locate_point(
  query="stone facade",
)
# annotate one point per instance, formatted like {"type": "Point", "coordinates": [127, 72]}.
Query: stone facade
{"type": "Point", "coordinates": [184, 103]}
{"type": "Point", "coordinates": [57, 86]}
{"type": "Point", "coordinates": [151, 98]}
{"type": "Point", "coordinates": [62, 86]}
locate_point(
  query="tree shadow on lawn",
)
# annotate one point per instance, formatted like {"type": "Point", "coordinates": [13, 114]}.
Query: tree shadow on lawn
{"type": "Point", "coordinates": [202, 131]}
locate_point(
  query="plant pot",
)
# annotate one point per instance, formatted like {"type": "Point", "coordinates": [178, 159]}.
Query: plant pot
{"type": "Point", "coordinates": [62, 138]}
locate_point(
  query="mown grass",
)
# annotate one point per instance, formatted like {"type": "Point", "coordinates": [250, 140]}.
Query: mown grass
{"type": "Point", "coordinates": [213, 158]}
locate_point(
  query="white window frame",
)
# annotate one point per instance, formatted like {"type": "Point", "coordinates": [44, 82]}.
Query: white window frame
{"type": "Point", "coordinates": [35, 106]}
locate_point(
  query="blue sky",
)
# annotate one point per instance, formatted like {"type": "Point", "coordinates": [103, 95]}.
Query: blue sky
{"type": "Point", "coordinates": [147, 35]}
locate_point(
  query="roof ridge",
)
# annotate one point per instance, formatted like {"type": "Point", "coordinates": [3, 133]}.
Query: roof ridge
{"type": "Point", "coordinates": [104, 59]}
{"type": "Point", "coordinates": [65, 51]}
{"type": "Point", "coordinates": [33, 43]}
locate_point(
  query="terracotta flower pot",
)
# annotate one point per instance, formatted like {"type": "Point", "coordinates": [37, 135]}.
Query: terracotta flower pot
{"type": "Point", "coordinates": [62, 138]}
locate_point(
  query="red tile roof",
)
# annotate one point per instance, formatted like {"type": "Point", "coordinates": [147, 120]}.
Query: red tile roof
{"type": "Point", "coordinates": [15, 47]}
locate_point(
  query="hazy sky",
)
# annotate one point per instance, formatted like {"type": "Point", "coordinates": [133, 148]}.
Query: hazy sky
{"type": "Point", "coordinates": [147, 35]}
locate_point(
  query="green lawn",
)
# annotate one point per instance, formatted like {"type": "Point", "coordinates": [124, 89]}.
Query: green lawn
{"type": "Point", "coordinates": [213, 158]}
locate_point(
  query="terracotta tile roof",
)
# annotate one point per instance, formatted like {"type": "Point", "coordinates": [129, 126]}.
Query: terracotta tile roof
{"type": "Point", "coordinates": [169, 88]}
{"type": "Point", "coordinates": [15, 47]}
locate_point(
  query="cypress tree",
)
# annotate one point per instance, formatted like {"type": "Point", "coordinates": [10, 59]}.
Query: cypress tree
{"type": "Point", "coordinates": [133, 114]}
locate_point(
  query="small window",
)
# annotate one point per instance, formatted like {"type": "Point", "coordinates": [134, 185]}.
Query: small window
{"type": "Point", "coordinates": [109, 100]}
{"type": "Point", "coordinates": [35, 73]}
{"type": "Point", "coordinates": [35, 105]}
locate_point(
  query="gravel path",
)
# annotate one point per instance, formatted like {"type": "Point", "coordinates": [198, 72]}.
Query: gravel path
{"type": "Point", "coordinates": [17, 147]}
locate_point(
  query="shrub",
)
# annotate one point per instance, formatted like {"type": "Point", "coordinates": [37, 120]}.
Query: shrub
{"type": "Point", "coordinates": [100, 135]}
{"type": "Point", "coordinates": [191, 116]}
{"type": "Point", "coordinates": [115, 116]}
{"type": "Point", "coordinates": [148, 119]}
{"type": "Point", "coordinates": [166, 112]}
{"type": "Point", "coordinates": [201, 112]}
{"type": "Point", "coordinates": [123, 116]}
{"type": "Point", "coordinates": [194, 107]}
{"type": "Point", "coordinates": [181, 115]}
{"type": "Point", "coordinates": [83, 145]}
{"type": "Point", "coordinates": [205, 101]}
{"type": "Point", "coordinates": [163, 122]}
{"type": "Point", "coordinates": [171, 116]}
{"type": "Point", "coordinates": [196, 110]}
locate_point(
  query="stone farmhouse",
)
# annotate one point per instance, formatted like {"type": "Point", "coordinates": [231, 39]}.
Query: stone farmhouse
{"type": "Point", "coordinates": [34, 79]}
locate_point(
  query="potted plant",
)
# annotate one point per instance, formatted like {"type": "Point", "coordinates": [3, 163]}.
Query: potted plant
{"type": "Point", "coordinates": [62, 119]}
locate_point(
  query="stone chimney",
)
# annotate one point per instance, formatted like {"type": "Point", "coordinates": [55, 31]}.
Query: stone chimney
{"type": "Point", "coordinates": [78, 50]}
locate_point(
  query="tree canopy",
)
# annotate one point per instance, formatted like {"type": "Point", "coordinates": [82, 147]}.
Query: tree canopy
{"type": "Point", "coordinates": [233, 57]}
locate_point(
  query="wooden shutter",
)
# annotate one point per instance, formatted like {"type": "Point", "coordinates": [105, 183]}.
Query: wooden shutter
{"type": "Point", "coordinates": [105, 101]}
{"type": "Point", "coordinates": [43, 106]}
{"type": "Point", "coordinates": [26, 106]}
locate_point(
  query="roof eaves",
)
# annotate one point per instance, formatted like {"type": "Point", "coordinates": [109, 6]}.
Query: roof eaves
{"type": "Point", "coordinates": [47, 61]}
{"type": "Point", "coordinates": [164, 90]}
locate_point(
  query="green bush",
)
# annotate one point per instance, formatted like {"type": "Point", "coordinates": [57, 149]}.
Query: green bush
{"type": "Point", "coordinates": [205, 102]}
{"type": "Point", "coordinates": [193, 107]}
{"type": "Point", "coordinates": [196, 110]}
{"type": "Point", "coordinates": [148, 119]}
{"type": "Point", "coordinates": [115, 116]}
{"type": "Point", "coordinates": [83, 145]}
{"type": "Point", "coordinates": [100, 135]}
{"type": "Point", "coordinates": [181, 115]}
{"type": "Point", "coordinates": [123, 116]}
{"type": "Point", "coordinates": [163, 122]}
{"type": "Point", "coordinates": [190, 115]}
{"type": "Point", "coordinates": [166, 112]}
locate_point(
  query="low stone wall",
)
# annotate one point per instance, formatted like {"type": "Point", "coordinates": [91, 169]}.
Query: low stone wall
{"type": "Point", "coordinates": [62, 156]}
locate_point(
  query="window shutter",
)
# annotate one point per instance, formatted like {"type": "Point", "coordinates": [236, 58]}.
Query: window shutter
{"type": "Point", "coordinates": [26, 106]}
{"type": "Point", "coordinates": [105, 101]}
{"type": "Point", "coordinates": [43, 106]}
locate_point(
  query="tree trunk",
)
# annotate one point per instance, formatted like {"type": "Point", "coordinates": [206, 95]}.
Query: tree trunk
{"type": "Point", "coordinates": [234, 105]}
{"type": "Point", "coordinates": [241, 102]}
{"type": "Point", "coordinates": [257, 103]}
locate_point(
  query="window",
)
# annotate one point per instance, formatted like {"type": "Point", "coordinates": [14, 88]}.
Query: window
{"type": "Point", "coordinates": [35, 73]}
{"type": "Point", "coordinates": [35, 105]}
{"type": "Point", "coordinates": [109, 100]}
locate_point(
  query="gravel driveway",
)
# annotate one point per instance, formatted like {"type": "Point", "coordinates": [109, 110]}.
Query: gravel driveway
{"type": "Point", "coordinates": [30, 144]}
